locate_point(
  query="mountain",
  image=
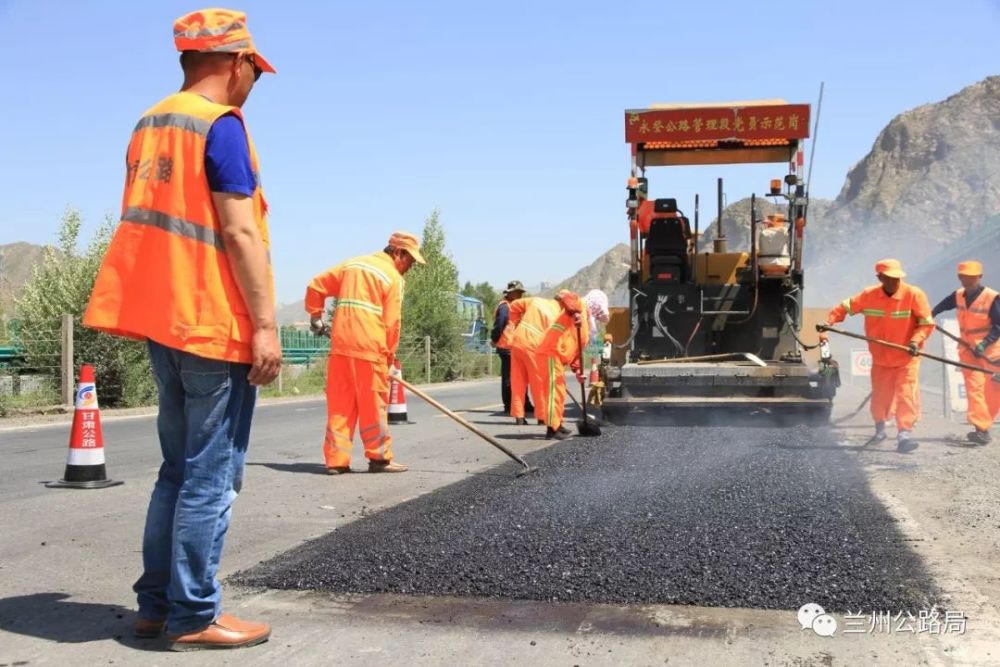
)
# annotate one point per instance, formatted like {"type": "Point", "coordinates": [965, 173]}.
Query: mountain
{"type": "Point", "coordinates": [932, 178]}
{"type": "Point", "coordinates": [17, 261]}
{"type": "Point", "coordinates": [292, 313]}
{"type": "Point", "coordinates": [736, 220]}
{"type": "Point", "coordinates": [608, 272]}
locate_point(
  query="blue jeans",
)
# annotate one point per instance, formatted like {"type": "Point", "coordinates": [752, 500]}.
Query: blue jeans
{"type": "Point", "coordinates": [204, 426]}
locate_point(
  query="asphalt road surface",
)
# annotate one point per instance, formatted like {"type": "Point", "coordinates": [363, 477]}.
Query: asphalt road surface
{"type": "Point", "coordinates": [755, 518]}
{"type": "Point", "coordinates": [715, 500]}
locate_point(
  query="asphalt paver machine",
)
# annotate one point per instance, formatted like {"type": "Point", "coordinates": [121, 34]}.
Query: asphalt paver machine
{"type": "Point", "coordinates": [715, 329]}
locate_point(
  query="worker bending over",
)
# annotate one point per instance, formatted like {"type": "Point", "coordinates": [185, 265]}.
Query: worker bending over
{"type": "Point", "coordinates": [979, 325]}
{"type": "Point", "coordinates": [898, 313]}
{"type": "Point", "coordinates": [577, 321]}
{"type": "Point", "coordinates": [364, 336]}
{"type": "Point", "coordinates": [527, 323]}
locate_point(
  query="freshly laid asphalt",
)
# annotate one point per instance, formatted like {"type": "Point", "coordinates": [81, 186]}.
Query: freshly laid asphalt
{"type": "Point", "coordinates": [719, 516]}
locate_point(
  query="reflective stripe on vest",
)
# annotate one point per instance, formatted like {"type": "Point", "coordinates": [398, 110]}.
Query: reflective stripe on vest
{"type": "Point", "coordinates": [368, 268]}
{"type": "Point", "coordinates": [165, 275]}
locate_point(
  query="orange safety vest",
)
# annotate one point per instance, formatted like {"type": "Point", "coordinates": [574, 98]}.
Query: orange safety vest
{"type": "Point", "coordinates": [368, 295]}
{"type": "Point", "coordinates": [560, 340]}
{"type": "Point", "coordinates": [974, 318]}
{"type": "Point", "coordinates": [166, 276]}
{"type": "Point", "coordinates": [903, 317]}
{"type": "Point", "coordinates": [530, 317]}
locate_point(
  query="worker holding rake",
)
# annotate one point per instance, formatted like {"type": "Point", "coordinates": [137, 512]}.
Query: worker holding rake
{"type": "Point", "coordinates": [897, 313]}
{"type": "Point", "coordinates": [979, 323]}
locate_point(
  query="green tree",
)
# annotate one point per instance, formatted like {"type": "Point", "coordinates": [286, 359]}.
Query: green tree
{"type": "Point", "coordinates": [429, 308]}
{"type": "Point", "coordinates": [62, 285]}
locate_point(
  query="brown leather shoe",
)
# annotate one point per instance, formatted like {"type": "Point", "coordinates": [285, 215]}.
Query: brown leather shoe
{"type": "Point", "coordinates": [227, 632]}
{"type": "Point", "coordinates": [148, 628]}
{"type": "Point", "coordinates": [386, 466]}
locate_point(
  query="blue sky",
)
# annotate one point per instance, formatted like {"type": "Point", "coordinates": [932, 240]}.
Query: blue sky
{"type": "Point", "coordinates": [507, 117]}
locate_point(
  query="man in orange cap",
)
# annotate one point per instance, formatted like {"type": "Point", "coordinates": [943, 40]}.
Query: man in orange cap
{"type": "Point", "coordinates": [895, 312]}
{"type": "Point", "coordinates": [979, 324]}
{"type": "Point", "coordinates": [188, 271]}
{"type": "Point", "coordinates": [364, 336]}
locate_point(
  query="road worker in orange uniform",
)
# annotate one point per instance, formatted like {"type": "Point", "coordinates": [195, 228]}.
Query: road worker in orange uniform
{"type": "Point", "coordinates": [979, 324]}
{"type": "Point", "coordinates": [364, 335]}
{"type": "Point", "coordinates": [527, 323]}
{"type": "Point", "coordinates": [560, 348]}
{"type": "Point", "coordinates": [897, 313]}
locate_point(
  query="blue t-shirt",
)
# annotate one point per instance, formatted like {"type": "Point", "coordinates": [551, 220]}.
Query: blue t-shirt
{"type": "Point", "coordinates": [227, 157]}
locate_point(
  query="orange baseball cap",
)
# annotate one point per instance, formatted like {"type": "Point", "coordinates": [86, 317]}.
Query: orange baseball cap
{"type": "Point", "coordinates": [890, 268]}
{"type": "Point", "coordinates": [408, 242]}
{"type": "Point", "coordinates": [970, 268]}
{"type": "Point", "coordinates": [217, 30]}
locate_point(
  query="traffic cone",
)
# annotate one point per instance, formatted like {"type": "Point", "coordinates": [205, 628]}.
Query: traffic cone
{"type": "Point", "coordinates": [85, 464]}
{"type": "Point", "coordinates": [397, 400]}
{"type": "Point", "coordinates": [595, 375]}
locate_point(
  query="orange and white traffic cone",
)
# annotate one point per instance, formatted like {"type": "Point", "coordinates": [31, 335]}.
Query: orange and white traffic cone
{"type": "Point", "coordinates": [85, 465]}
{"type": "Point", "coordinates": [397, 400]}
{"type": "Point", "coordinates": [595, 375]}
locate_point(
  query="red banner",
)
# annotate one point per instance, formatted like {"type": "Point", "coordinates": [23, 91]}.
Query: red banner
{"type": "Point", "coordinates": [781, 121]}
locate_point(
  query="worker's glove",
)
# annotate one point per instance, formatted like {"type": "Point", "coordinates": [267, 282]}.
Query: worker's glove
{"type": "Point", "coordinates": [575, 367]}
{"type": "Point", "coordinates": [980, 350]}
{"type": "Point", "coordinates": [395, 373]}
{"type": "Point", "coordinates": [822, 328]}
{"type": "Point", "coordinates": [318, 328]}
{"type": "Point", "coordinates": [914, 349]}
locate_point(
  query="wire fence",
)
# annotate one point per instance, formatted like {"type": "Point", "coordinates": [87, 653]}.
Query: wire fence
{"type": "Point", "coordinates": [40, 363]}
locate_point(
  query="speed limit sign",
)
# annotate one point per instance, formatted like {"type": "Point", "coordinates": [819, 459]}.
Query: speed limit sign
{"type": "Point", "coordinates": [861, 362]}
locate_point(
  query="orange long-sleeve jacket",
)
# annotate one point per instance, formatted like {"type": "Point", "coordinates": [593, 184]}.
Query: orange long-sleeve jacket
{"type": "Point", "coordinates": [560, 339]}
{"type": "Point", "coordinates": [528, 321]}
{"type": "Point", "coordinates": [902, 318]}
{"type": "Point", "coordinates": [368, 294]}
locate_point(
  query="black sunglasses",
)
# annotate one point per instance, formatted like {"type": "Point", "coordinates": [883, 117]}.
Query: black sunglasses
{"type": "Point", "coordinates": [257, 71]}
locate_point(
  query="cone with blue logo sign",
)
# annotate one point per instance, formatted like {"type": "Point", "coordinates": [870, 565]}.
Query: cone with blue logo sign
{"type": "Point", "coordinates": [85, 468]}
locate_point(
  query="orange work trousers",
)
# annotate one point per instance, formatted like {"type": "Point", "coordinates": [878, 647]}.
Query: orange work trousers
{"type": "Point", "coordinates": [524, 373]}
{"type": "Point", "coordinates": [357, 396]}
{"type": "Point", "coordinates": [554, 399]}
{"type": "Point", "coordinates": [896, 390]}
{"type": "Point", "coordinates": [982, 393]}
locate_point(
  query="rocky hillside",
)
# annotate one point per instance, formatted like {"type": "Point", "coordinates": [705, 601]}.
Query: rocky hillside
{"type": "Point", "coordinates": [608, 273]}
{"type": "Point", "coordinates": [736, 220]}
{"type": "Point", "coordinates": [931, 178]}
{"type": "Point", "coordinates": [17, 261]}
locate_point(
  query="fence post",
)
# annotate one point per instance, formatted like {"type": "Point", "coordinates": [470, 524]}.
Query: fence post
{"type": "Point", "coordinates": [68, 391]}
{"type": "Point", "coordinates": [281, 380]}
{"type": "Point", "coordinates": [427, 357]}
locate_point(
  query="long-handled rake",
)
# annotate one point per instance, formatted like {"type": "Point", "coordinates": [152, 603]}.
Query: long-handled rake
{"type": "Point", "coordinates": [485, 436]}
